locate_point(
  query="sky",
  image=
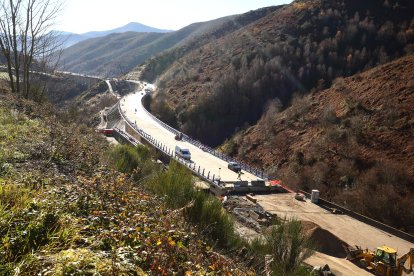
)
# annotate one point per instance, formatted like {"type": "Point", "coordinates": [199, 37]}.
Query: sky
{"type": "Point", "coordinates": [81, 16]}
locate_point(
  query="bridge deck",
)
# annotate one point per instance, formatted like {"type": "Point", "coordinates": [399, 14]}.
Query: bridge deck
{"type": "Point", "coordinates": [134, 110]}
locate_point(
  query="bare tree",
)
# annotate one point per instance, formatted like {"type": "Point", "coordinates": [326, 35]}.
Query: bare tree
{"type": "Point", "coordinates": [26, 39]}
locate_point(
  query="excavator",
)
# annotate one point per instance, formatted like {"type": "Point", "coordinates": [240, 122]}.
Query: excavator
{"type": "Point", "coordinates": [382, 262]}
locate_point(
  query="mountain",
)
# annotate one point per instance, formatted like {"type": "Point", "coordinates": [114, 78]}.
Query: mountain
{"type": "Point", "coordinates": [117, 54]}
{"type": "Point", "coordinates": [109, 55]}
{"type": "Point", "coordinates": [130, 27]}
{"type": "Point", "coordinates": [350, 141]}
{"type": "Point", "coordinates": [223, 85]}
{"type": "Point", "coordinates": [319, 93]}
{"type": "Point", "coordinates": [70, 39]}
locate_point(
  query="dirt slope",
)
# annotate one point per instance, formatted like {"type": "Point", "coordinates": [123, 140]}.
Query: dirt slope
{"type": "Point", "coordinates": [351, 141]}
{"type": "Point", "coordinates": [226, 84]}
{"type": "Point", "coordinates": [383, 97]}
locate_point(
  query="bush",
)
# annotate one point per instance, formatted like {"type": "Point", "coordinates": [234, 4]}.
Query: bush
{"type": "Point", "coordinates": [288, 247]}
{"type": "Point", "coordinates": [129, 159]}
{"type": "Point", "coordinates": [216, 224]}
{"type": "Point", "coordinates": [206, 211]}
{"type": "Point", "coordinates": [175, 185]}
{"type": "Point", "coordinates": [329, 117]}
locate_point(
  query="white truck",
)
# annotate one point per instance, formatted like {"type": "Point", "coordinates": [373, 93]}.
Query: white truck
{"type": "Point", "coordinates": [183, 152]}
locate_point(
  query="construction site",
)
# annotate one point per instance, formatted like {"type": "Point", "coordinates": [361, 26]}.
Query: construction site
{"type": "Point", "coordinates": [337, 235]}
{"type": "Point", "coordinates": [347, 243]}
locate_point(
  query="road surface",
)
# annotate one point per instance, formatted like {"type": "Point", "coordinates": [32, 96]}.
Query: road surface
{"type": "Point", "coordinates": [131, 105]}
{"type": "Point", "coordinates": [345, 228]}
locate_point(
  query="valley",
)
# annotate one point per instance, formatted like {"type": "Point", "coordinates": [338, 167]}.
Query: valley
{"type": "Point", "coordinates": [338, 229]}
{"type": "Point", "coordinates": [262, 143]}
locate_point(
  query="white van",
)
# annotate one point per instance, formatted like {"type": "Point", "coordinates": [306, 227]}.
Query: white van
{"type": "Point", "coordinates": [183, 152]}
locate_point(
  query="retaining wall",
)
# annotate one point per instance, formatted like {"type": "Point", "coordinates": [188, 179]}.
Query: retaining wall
{"type": "Point", "coordinates": [389, 229]}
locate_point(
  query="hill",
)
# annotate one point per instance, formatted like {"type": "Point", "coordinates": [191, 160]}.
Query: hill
{"type": "Point", "coordinates": [70, 203]}
{"type": "Point", "coordinates": [70, 39]}
{"type": "Point", "coordinates": [66, 209]}
{"type": "Point", "coordinates": [118, 54]}
{"type": "Point", "coordinates": [354, 142]}
{"type": "Point", "coordinates": [222, 86]}
{"type": "Point", "coordinates": [109, 55]}
{"type": "Point", "coordinates": [206, 33]}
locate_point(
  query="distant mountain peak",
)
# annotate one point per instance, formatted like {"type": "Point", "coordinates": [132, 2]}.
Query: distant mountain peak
{"type": "Point", "coordinates": [130, 27]}
{"type": "Point", "coordinates": [72, 38]}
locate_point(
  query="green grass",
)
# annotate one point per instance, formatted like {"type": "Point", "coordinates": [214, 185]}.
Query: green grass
{"type": "Point", "coordinates": [136, 160]}
{"type": "Point", "coordinates": [17, 135]}
{"type": "Point", "coordinates": [25, 225]}
{"type": "Point", "coordinates": [203, 210]}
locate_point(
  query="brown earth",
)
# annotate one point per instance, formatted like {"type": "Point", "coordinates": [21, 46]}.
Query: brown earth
{"type": "Point", "coordinates": [384, 96]}
{"type": "Point", "coordinates": [330, 231]}
{"type": "Point", "coordinates": [354, 142]}
{"type": "Point", "coordinates": [325, 241]}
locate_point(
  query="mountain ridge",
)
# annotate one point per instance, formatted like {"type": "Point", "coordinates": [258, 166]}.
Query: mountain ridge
{"type": "Point", "coordinates": [69, 38]}
{"type": "Point", "coordinates": [106, 57]}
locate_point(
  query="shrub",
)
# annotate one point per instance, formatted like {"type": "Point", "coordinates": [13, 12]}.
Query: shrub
{"type": "Point", "coordinates": [329, 117]}
{"type": "Point", "coordinates": [206, 211]}
{"type": "Point", "coordinates": [288, 247]}
{"type": "Point", "coordinates": [216, 224]}
{"type": "Point", "coordinates": [175, 185]}
{"type": "Point", "coordinates": [129, 159]}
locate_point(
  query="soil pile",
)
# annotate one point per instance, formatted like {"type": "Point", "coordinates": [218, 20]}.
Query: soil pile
{"type": "Point", "coordinates": [325, 241]}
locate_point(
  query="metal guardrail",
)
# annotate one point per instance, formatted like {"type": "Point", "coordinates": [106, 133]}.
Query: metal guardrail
{"type": "Point", "coordinates": [222, 156]}
{"type": "Point", "coordinates": [203, 173]}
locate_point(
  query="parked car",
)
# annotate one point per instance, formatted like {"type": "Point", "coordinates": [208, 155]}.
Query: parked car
{"type": "Point", "coordinates": [183, 152]}
{"type": "Point", "coordinates": [234, 166]}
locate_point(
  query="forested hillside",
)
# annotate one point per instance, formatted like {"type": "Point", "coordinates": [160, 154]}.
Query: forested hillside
{"type": "Point", "coordinates": [212, 30]}
{"type": "Point", "coordinates": [354, 142]}
{"type": "Point", "coordinates": [225, 85]}
{"type": "Point", "coordinates": [119, 53]}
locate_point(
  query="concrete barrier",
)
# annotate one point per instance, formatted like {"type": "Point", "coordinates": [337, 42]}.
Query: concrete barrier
{"type": "Point", "coordinates": [382, 226]}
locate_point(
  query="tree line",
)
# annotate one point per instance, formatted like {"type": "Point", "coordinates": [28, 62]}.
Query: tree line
{"type": "Point", "coordinates": [26, 41]}
{"type": "Point", "coordinates": [335, 39]}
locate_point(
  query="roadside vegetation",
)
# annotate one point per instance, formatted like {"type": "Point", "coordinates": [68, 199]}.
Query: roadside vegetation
{"type": "Point", "coordinates": [72, 205]}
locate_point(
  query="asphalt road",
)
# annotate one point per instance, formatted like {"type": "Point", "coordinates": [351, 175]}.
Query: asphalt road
{"type": "Point", "coordinates": [132, 107]}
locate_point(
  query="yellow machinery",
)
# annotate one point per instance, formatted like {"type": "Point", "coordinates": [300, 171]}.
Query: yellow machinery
{"type": "Point", "coordinates": [383, 261]}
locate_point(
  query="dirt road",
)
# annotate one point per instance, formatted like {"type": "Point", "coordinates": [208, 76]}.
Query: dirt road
{"type": "Point", "coordinates": [342, 227]}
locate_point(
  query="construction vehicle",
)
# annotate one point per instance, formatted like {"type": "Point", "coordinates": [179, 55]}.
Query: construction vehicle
{"type": "Point", "coordinates": [382, 262]}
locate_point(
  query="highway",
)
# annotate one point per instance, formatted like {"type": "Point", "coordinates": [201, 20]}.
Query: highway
{"type": "Point", "coordinates": [132, 106]}
{"type": "Point", "coordinates": [345, 228]}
